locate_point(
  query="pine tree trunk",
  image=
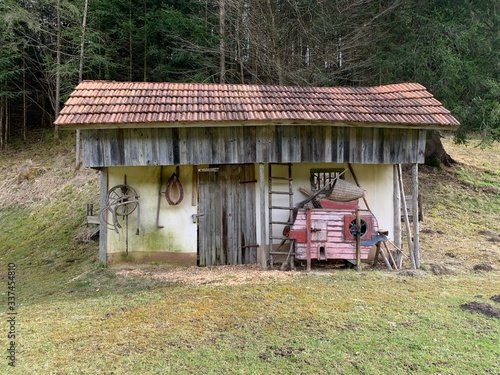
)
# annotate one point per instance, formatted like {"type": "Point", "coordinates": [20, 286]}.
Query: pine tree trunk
{"type": "Point", "coordinates": [58, 68]}
{"type": "Point", "coordinates": [80, 78]}
{"type": "Point", "coordinates": [222, 42]}
{"type": "Point", "coordinates": [1, 123]}
{"type": "Point", "coordinates": [25, 104]}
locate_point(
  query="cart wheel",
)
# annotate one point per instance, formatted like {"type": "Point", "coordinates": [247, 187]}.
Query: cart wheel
{"type": "Point", "coordinates": [123, 199]}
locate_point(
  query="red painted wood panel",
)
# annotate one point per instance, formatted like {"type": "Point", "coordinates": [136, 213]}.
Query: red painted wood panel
{"type": "Point", "coordinates": [331, 234]}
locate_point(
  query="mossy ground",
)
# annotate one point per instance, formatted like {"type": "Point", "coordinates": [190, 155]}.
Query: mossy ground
{"type": "Point", "coordinates": [74, 317]}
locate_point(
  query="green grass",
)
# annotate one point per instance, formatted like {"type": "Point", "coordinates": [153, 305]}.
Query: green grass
{"type": "Point", "coordinates": [481, 180]}
{"type": "Point", "coordinates": [75, 317]}
{"type": "Point", "coordinates": [329, 322]}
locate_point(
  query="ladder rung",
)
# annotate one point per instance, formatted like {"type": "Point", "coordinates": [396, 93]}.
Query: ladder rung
{"type": "Point", "coordinates": [280, 238]}
{"type": "Point", "coordinates": [280, 222]}
{"type": "Point", "coordinates": [281, 253]}
{"type": "Point", "coordinates": [280, 192]}
{"type": "Point", "coordinates": [281, 178]}
{"type": "Point", "coordinates": [282, 208]}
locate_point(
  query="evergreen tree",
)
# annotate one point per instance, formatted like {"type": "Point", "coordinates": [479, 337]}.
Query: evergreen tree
{"type": "Point", "coordinates": [453, 48]}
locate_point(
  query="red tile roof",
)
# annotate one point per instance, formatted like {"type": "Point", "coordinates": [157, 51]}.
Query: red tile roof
{"type": "Point", "coordinates": [120, 104]}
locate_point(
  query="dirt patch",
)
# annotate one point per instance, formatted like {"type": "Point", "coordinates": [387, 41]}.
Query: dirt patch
{"type": "Point", "coordinates": [493, 237]}
{"type": "Point", "coordinates": [430, 231]}
{"type": "Point", "coordinates": [483, 267]}
{"type": "Point", "coordinates": [272, 353]}
{"type": "Point", "coordinates": [481, 308]}
{"type": "Point", "coordinates": [487, 233]}
{"type": "Point", "coordinates": [412, 273]}
{"type": "Point", "coordinates": [439, 269]}
{"type": "Point", "coordinates": [220, 275]}
{"type": "Point", "coordinates": [496, 298]}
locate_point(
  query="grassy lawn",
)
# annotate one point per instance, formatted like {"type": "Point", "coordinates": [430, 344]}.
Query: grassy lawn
{"type": "Point", "coordinates": [324, 322]}
{"type": "Point", "coordinates": [74, 317]}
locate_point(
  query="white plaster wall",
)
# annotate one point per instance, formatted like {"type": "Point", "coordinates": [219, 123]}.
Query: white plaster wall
{"type": "Point", "coordinates": [377, 180]}
{"type": "Point", "coordinates": [179, 231]}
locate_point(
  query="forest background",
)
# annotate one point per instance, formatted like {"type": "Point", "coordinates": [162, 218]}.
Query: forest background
{"type": "Point", "coordinates": [450, 46]}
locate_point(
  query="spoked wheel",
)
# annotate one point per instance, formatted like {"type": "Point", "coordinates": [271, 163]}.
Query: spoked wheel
{"type": "Point", "coordinates": [122, 200]}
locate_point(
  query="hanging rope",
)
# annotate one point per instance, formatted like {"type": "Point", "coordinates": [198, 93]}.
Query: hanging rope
{"type": "Point", "coordinates": [174, 180]}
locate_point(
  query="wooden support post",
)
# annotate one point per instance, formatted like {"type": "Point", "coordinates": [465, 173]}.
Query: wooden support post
{"type": "Point", "coordinates": [308, 234]}
{"type": "Point", "coordinates": [405, 215]}
{"type": "Point", "coordinates": [416, 246]}
{"type": "Point", "coordinates": [397, 208]}
{"type": "Point", "coordinates": [358, 240]}
{"type": "Point", "coordinates": [262, 192]}
{"type": "Point", "coordinates": [375, 258]}
{"type": "Point", "coordinates": [77, 151]}
{"type": "Point", "coordinates": [103, 230]}
{"type": "Point", "coordinates": [291, 252]}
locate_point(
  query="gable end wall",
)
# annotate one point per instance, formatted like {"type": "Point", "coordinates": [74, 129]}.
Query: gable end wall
{"type": "Point", "coordinates": [252, 144]}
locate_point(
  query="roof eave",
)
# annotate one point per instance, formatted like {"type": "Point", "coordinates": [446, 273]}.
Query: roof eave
{"type": "Point", "coordinates": [198, 124]}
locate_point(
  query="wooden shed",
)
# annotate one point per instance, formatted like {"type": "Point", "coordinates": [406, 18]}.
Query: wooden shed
{"type": "Point", "coordinates": [239, 153]}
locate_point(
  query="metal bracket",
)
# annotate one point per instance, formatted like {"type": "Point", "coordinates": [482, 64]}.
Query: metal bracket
{"type": "Point", "coordinates": [196, 216]}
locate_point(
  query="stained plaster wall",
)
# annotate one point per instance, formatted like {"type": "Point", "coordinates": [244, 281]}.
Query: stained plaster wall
{"type": "Point", "coordinates": [179, 234]}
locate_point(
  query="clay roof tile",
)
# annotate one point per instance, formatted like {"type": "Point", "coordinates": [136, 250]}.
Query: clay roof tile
{"type": "Point", "coordinates": [121, 103]}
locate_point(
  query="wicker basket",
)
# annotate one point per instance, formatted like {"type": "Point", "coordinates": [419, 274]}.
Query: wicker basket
{"type": "Point", "coordinates": [344, 191]}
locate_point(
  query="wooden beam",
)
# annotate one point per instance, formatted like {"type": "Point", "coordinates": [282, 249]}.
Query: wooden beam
{"type": "Point", "coordinates": [358, 240]}
{"type": "Point", "coordinates": [262, 193]}
{"type": "Point", "coordinates": [93, 220]}
{"type": "Point", "coordinates": [308, 238]}
{"type": "Point", "coordinates": [103, 230]}
{"type": "Point", "coordinates": [406, 220]}
{"type": "Point", "coordinates": [416, 245]}
{"type": "Point", "coordinates": [397, 208]}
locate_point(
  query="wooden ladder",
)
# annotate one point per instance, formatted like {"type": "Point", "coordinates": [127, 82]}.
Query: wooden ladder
{"type": "Point", "coordinates": [278, 173]}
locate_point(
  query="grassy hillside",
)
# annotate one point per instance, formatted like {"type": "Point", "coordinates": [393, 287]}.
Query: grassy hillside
{"type": "Point", "coordinates": [75, 317]}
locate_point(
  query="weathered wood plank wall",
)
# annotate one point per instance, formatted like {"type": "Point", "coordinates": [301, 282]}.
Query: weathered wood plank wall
{"type": "Point", "coordinates": [227, 228]}
{"type": "Point", "coordinates": [253, 144]}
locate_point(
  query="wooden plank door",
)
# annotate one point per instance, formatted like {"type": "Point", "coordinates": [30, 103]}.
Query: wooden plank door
{"type": "Point", "coordinates": [226, 216]}
{"type": "Point", "coordinates": [247, 207]}
{"type": "Point", "coordinates": [209, 217]}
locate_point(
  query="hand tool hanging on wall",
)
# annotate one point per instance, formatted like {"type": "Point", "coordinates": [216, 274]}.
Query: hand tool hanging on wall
{"type": "Point", "coordinates": [159, 200]}
{"type": "Point", "coordinates": [173, 182]}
